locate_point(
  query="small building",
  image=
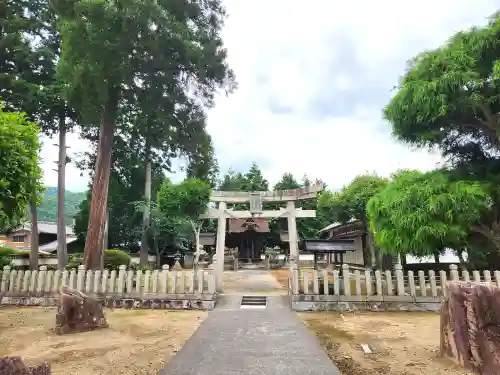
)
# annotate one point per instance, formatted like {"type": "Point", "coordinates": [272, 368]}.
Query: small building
{"type": "Point", "coordinates": [20, 237]}
{"type": "Point", "coordinates": [363, 256]}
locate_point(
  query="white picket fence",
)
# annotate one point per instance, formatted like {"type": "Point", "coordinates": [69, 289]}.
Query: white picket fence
{"type": "Point", "coordinates": [371, 285]}
{"type": "Point", "coordinates": [129, 283]}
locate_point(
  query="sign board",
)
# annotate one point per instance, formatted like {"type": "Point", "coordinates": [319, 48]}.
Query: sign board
{"type": "Point", "coordinates": [325, 246]}
{"type": "Point", "coordinates": [255, 203]}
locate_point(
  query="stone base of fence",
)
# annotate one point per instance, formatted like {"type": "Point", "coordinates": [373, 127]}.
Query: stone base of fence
{"type": "Point", "coordinates": [170, 302]}
{"type": "Point", "coordinates": [360, 303]}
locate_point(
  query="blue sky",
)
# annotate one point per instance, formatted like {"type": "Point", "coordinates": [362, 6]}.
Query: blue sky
{"type": "Point", "coordinates": [313, 78]}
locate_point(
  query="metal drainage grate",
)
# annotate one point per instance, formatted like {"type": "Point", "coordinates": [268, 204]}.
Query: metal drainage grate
{"type": "Point", "coordinates": [253, 302]}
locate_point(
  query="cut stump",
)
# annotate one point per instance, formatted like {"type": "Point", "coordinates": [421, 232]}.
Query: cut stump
{"type": "Point", "coordinates": [78, 312]}
{"type": "Point", "coordinates": [470, 326]}
{"type": "Point", "coordinates": [16, 366]}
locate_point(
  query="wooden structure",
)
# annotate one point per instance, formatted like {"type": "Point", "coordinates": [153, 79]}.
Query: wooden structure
{"type": "Point", "coordinates": [332, 250]}
{"type": "Point", "coordinates": [256, 199]}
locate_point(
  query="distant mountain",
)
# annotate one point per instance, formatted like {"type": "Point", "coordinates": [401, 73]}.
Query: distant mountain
{"type": "Point", "coordinates": [47, 210]}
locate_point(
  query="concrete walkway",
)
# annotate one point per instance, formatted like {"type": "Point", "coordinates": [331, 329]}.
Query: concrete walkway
{"type": "Point", "coordinates": [270, 341]}
{"type": "Point", "coordinates": [248, 282]}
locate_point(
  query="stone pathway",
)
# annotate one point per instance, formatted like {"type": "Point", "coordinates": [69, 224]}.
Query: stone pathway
{"type": "Point", "coordinates": [251, 282]}
{"type": "Point", "coordinates": [234, 341]}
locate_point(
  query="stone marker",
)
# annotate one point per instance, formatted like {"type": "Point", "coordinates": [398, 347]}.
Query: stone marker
{"type": "Point", "coordinates": [78, 312]}
{"type": "Point", "coordinates": [16, 366]}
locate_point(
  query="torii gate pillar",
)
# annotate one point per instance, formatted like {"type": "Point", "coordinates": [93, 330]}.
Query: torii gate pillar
{"type": "Point", "coordinates": [220, 246]}
{"type": "Point", "coordinates": [292, 232]}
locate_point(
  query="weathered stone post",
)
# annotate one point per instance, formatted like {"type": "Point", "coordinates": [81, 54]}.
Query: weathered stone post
{"type": "Point", "coordinates": [220, 245]}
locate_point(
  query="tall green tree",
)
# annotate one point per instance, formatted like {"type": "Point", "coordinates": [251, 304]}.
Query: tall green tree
{"type": "Point", "coordinates": [449, 97]}
{"type": "Point", "coordinates": [30, 46]}
{"type": "Point", "coordinates": [111, 49]}
{"type": "Point", "coordinates": [350, 204]}
{"type": "Point", "coordinates": [20, 173]}
{"type": "Point", "coordinates": [421, 213]}
{"type": "Point", "coordinates": [184, 203]}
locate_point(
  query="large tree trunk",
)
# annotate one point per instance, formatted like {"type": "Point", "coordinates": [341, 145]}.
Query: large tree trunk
{"type": "Point", "coordinates": [105, 240]}
{"type": "Point", "coordinates": [143, 256]}
{"type": "Point", "coordinates": [34, 233]}
{"type": "Point", "coordinates": [98, 204]}
{"type": "Point", "coordinates": [62, 252]}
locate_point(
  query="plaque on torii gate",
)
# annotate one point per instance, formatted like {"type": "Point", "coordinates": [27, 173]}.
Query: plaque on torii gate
{"type": "Point", "coordinates": [221, 213]}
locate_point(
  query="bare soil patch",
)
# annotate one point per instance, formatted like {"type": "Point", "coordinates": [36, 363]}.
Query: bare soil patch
{"type": "Point", "coordinates": [281, 276]}
{"type": "Point", "coordinates": [137, 341]}
{"type": "Point", "coordinates": [402, 343]}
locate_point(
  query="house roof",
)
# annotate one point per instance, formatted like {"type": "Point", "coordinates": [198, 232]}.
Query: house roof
{"type": "Point", "coordinates": [52, 246]}
{"type": "Point", "coordinates": [44, 227]}
{"type": "Point", "coordinates": [336, 225]}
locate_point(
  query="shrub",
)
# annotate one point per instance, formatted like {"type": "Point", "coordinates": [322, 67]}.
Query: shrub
{"type": "Point", "coordinates": [9, 251]}
{"type": "Point", "coordinates": [74, 261]}
{"type": "Point", "coordinates": [5, 261]}
{"type": "Point", "coordinates": [115, 258]}
{"type": "Point", "coordinates": [112, 259]}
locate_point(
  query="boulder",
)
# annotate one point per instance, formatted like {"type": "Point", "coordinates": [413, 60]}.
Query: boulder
{"type": "Point", "coordinates": [470, 326]}
{"type": "Point", "coordinates": [78, 312]}
{"type": "Point", "coordinates": [16, 366]}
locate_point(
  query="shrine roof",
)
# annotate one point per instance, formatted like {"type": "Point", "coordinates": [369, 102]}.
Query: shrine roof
{"type": "Point", "coordinates": [240, 225]}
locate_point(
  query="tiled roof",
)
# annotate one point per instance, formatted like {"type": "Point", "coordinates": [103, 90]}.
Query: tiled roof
{"type": "Point", "coordinates": [45, 227]}
{"type": "Point", "coordinates": [335, 225]}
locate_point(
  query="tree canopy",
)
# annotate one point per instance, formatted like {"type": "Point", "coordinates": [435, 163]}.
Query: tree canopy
{"type": "Point", "coordinates": [450, 96]}
{"type": "Point", "coordinates": [421, 213]}
{"type": "Point", "coordinates": [20, 172]}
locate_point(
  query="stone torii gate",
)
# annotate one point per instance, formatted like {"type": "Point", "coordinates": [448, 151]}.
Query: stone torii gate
{"type": "Point", "coordinates": [256, 198]}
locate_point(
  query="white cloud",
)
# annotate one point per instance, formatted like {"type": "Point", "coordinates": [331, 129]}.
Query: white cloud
{"type": "Point", "coordinates": [290, 53]}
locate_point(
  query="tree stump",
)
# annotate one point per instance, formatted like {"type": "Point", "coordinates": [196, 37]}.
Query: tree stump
{"type": "Point", "coordinates": [470, 326]}
{"type": "Point", "coordinates": [78, 312]}
{"type": "Point", "coordinates": [16, 366]}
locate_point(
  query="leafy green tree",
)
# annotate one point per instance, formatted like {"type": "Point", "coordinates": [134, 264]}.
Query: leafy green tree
{"type": "Point", "coordinates": [111, 50]}
{"type": "Point", "coordinates": [184, 203]}
{"type": "Point", "coordinates": [449, 97]}
{"type": "Point", "coordinates": [350, 204]}
{"type": "Point", "coordinates": [202, 163]}
{"type": "Point", "coordinates": [419, 213]}
{"type": "Point", "coordinates": [30, 46]}
{"type": "Point", "coordinates": [125, 220]}
{"type": "Point", "coordinates": [20, 173]}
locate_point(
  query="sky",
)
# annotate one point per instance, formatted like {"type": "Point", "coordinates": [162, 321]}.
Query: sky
{"type": "Point", "coordinates": [313, 81]}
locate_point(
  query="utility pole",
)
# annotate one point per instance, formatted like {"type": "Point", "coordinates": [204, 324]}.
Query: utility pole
{"type": "Point", "coordinates": [62, 251]}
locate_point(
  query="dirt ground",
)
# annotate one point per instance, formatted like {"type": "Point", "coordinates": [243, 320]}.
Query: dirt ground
{"type": "Point", "coordinates": [402, 343]}
{"type": "Point", "coordinates": [281, 275]}
{"type": "Point", "coordinates": [138, 342]}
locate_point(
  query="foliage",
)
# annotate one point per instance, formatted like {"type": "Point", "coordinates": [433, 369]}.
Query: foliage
{"type": "Point", "coordinates": [350, 202]}
{"type": "Point", "coordinates": [419, 213]}
{"type": "Point", "coordinates": [113, 259]}
{"type": "Point", "coordinates": [47, 209]}
{"type": "Point", "coordinates": [20, 173]}
{"type": "Point", "coordinates": [6, 254]}
{"type": "Point", "coordinates": [449, 97]}
{"type": "Point", "coordinates": [116, 258]}
{"type": "Point", "coordinates": [188, 199]}
{"type": "Point", "coordinates": [135, 63]}
{"type": "Point", "coordinates": [125, 189]}
{"type": "Point", "coordinates": [202, 162]}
